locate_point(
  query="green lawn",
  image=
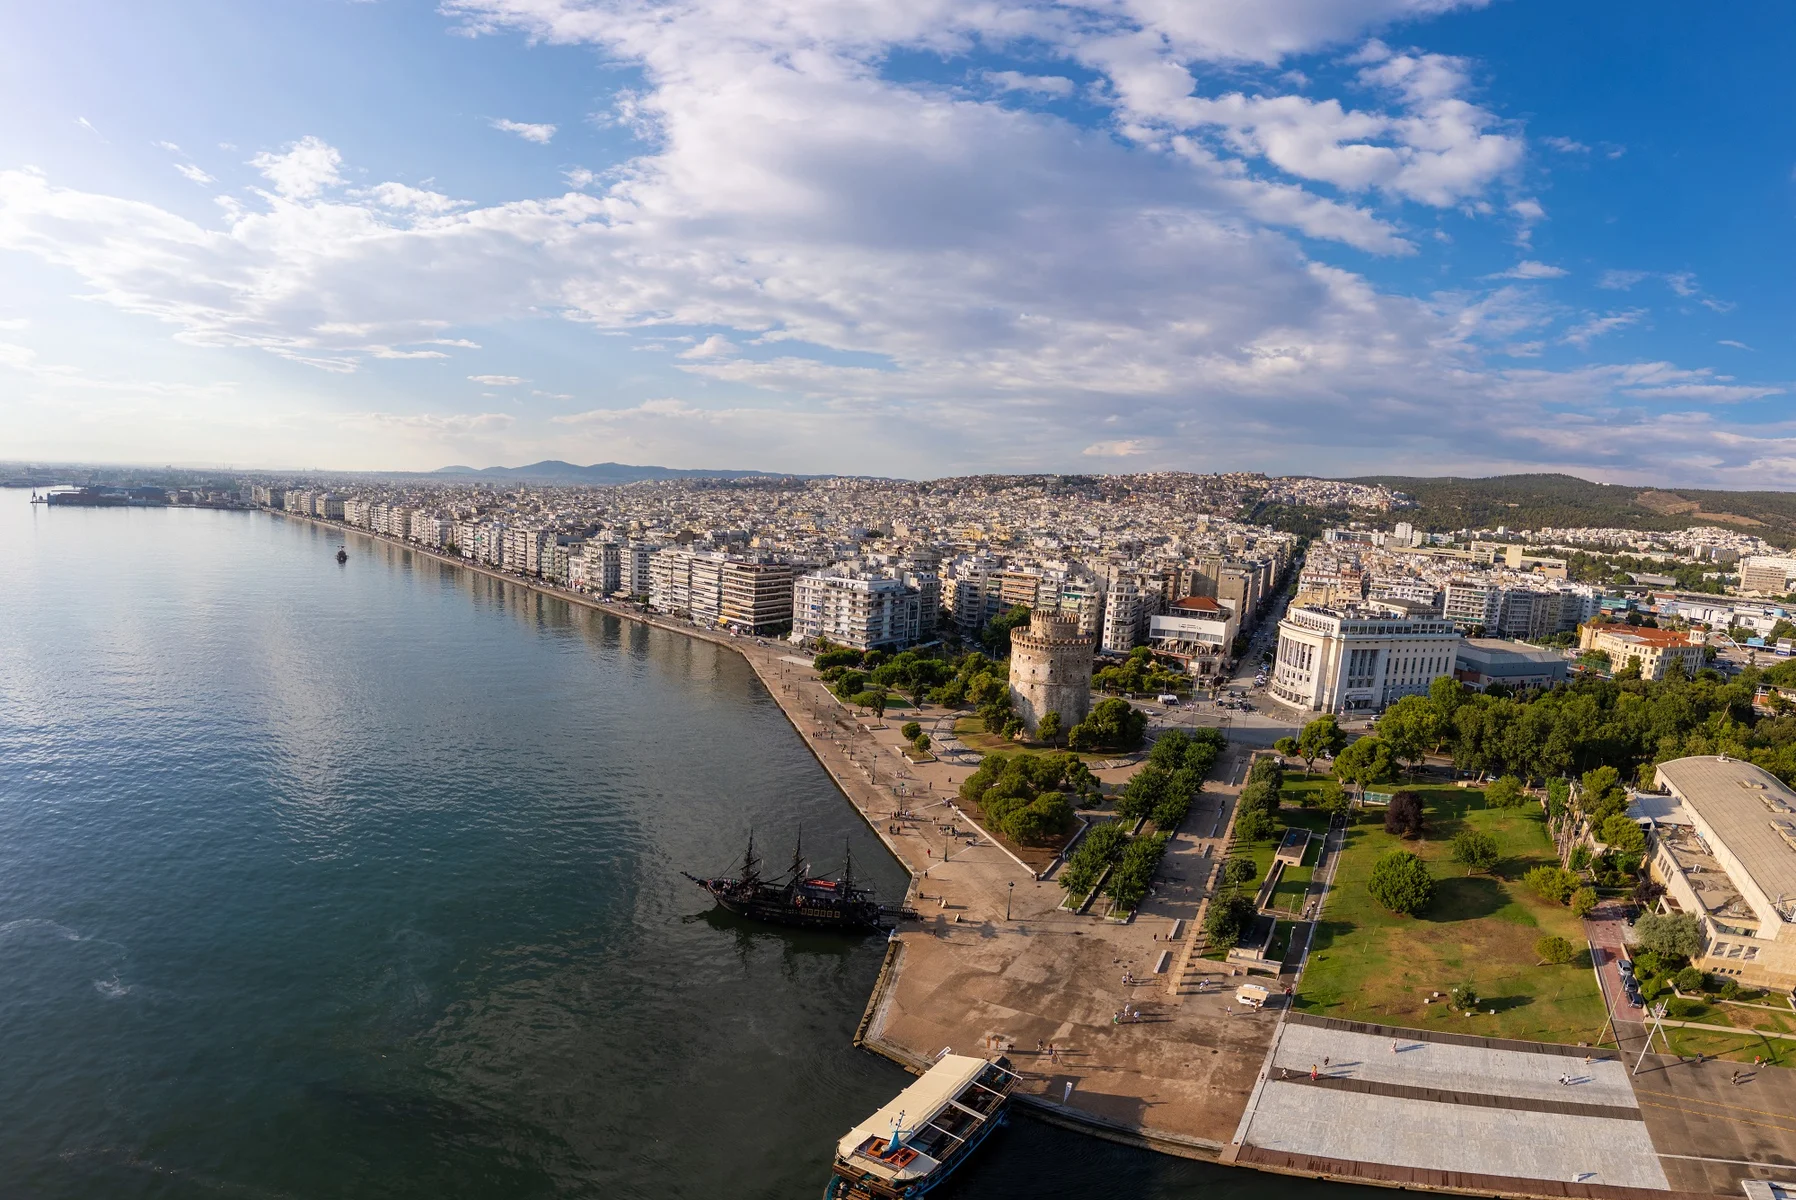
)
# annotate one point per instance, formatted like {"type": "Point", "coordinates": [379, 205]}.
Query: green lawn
{"type": "Point", "coordinates": [972, 735]}
{"type": "Point", "coordinates": [1369, 965]}
{"type": "Point", "coordinates": [1738, 1047]}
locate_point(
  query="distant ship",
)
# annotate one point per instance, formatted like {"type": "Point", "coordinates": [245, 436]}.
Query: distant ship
{"type": "Point", "coordinates": [797, 897]}
{"type": "Point", "coordinates": [342, 556]}
{"type": "Point", "coordinates": [930, 1128]}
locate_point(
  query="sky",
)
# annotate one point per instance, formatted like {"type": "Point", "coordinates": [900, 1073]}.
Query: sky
{"type": "Point", "coordinates": [903, 237]}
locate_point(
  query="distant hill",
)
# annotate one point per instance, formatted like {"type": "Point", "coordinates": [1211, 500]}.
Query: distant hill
{"type": "Point", "coordinates": [1533, 501]}
{"type": "Point", "coordinates": [555, 471]}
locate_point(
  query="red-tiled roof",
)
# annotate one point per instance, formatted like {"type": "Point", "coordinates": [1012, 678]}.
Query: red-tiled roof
{"type": "Point", "coordinates": [1197, 604]}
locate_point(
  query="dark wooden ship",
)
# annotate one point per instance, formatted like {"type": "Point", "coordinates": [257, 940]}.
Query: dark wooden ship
{"type": "Point", "coordinates": [797, 897]}
{"type": "Point", "coordinates": [929, 1129]}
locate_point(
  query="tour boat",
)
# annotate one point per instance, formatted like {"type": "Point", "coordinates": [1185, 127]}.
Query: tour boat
{"type": "Point", "coordinates": [797, 897]}
{"type": "Point", "coordinates": [931, 1127]}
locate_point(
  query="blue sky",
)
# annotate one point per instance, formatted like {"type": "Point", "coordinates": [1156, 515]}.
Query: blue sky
{"type": "Point", "coordinates": [923, 237]}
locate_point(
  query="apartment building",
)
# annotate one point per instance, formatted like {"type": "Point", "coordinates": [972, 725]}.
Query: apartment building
{"type": "Point", "coordinates": [1654, 650]}
{"type": "Point", "coordinates": [757, 597]}
{"type": "Point", "coordinates": [852, 607]}
{"type": "Point", "coordinates": [1198, 631]}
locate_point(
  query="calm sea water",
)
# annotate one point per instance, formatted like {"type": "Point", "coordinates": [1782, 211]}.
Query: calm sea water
{"type": "Point", "coordinates": [363, 881]}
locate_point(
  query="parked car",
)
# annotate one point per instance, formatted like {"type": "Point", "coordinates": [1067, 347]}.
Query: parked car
{"type": "Point", "coordinates": [1627, 967]}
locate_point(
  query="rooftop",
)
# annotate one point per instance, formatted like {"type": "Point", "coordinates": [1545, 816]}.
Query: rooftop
{"type": "Point", "coordinates": [915, 1105]}
{"type": "Point", "coordinates": [1751, 812]}
{"type": "Point", "coordinates": [1502, 650]}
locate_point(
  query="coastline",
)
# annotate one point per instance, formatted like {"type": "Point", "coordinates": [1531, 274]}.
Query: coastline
{"type": "Point", "coordinates": [970, 971]}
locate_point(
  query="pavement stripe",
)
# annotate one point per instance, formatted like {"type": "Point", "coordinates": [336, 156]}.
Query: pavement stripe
{"type": "Point", "coordinates": [1691, 1112]}
{"type": "Point", "coordinates": [1368, 1087]}
{"type": "Point", "coordinates": [1782, 1116]}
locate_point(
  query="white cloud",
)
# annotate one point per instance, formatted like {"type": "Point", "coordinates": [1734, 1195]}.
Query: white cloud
{"type": "Point", "coordinates": [956, 278]}
{"type": "Point", "coordinates": [1529, 269]}
{"type": "Point", "coordinates": [1734, 344]}
{"type": "Point", "coordinates": [1565, 145]}
{"type": "Point", "coordinates": [540, 134]}
{"type": "Point", "coordinates": [192, 172]}
{"type": "Point", "coordinates": [1587, 331]}
{"type": "Point", "coordinates": [1122, 448]}
{"type": "Point", "coordinates": [303, 171]}
{"type": "Point", "coordinates": [1058, 86]}
{"type": "Point", "coordinates": [580, 177]}
{"type": "Point", "coordinates": [1620, 281]}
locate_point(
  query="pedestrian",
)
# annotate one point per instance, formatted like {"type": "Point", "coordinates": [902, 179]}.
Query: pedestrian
{"type": "Point", "coordinates": [1326, 1061]}
{"type": "Point", "coordinates": [1393, 1045]}
{"type": "Point", "coordinates": [1735, 1080]}
{"type": "Point", "coordinates": [1227, 1011]}
{"type": "Point", "coordinates": [1312, 1072]}
{"type": "Point", "coordinates": [1038, 1046]}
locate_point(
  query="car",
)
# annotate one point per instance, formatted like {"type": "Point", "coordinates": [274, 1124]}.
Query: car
{"type": "Point", "coordinates": [1626, 965]}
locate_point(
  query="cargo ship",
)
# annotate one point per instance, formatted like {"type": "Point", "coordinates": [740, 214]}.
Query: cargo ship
{"type": "Point", "coordinates": [908, 1147]}
{"type": "Point", "coordinates": [797, 897]}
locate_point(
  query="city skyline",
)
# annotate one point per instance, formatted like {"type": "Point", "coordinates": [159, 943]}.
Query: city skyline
{"type": "Point", "coordinates": [910, 240]}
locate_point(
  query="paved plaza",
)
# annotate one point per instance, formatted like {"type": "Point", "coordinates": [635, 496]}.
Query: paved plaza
{"type": "Point", "coordinates": [1445, 1107]}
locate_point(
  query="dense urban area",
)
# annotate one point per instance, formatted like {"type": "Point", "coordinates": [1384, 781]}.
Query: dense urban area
{"type": "Point", "coordinates": [1524, 789]}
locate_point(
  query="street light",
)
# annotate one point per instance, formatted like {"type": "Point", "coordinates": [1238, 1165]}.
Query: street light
{"type": "Point", "coordinates": [1010, 889]}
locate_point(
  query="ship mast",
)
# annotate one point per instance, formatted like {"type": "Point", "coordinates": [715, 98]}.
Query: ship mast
{"type": "Point", "coordinates": [798, 857]}
{"type": "Point", "coordinates": [751, 866]}
{"type": "Point", "coordinates": [847, 869]}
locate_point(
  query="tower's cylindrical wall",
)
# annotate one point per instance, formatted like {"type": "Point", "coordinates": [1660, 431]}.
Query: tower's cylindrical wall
{"type": "Point", "coordinates": [1050, 670]}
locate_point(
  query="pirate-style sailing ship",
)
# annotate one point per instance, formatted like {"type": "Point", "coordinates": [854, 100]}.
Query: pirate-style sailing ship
{"type": "Point", "coordinates": [797, 897]}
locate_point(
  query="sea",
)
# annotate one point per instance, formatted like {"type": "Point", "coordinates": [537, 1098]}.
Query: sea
{"type": "Point", "coordinates": [326, 880]}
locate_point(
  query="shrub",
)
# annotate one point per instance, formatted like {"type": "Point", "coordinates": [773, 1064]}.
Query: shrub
{"type": "Point", "coordinates": [1689, 980]}
{"type": "Point", "coordinates": [1554, 949]}
{"type": "Point", "coordinates": [1464, 997]}
{"type": "Point", "coordinates": [1475, 849]}
{"type": "Point", "coordinates": [1729, 990]}
{"type": "Point", "coordinates": [1680, 1009]}
{"type": "Point", "coordinates": [1580, 857]}
{"type": "Point", "coordinates": [909, 731]}
{"type": "Point", "coordinates": [1583, 902]}
{"type": "Point", "coordinates": [1238, 870]}
{"type": "Point", "coordinates": [1401, 883]}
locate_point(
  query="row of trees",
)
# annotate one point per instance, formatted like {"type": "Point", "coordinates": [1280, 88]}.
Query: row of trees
{"type": "Point", "coordinates": [1141, 672]}
{"type": "Point", "coordinates": [1172, 777]}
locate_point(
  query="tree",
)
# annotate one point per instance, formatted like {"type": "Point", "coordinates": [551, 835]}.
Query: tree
{"type": "Point", "coordinates": [1403, 817]}
{"type": "Point", "coordinates": [1583, 902]}
{"type": "Point", "coordinates": [921, 742]}
{"type": "Point", "coordinates": [1048, 728]}
{"type": "Point", "coordinates": [1621, 833]}
{"type": "Point", "coordinates": [1602, 794]}
{"type": "Point", "coordinates": [909, 731]}
{"type": "Point", "coordinates": [1412, 726]}
{"type": "Point", "coordinates": [1475, 850]}
{"type": "Point", "coordinates": [1229, 916]}
{"type": "Point", "coordinates": [1319, 737]}
{"type": "Point", "coordinates": [1401, 883]}
{"type": "Point", "coordinates": [1366, 761]}
{"type": "Point", "coordinates": [1332, 799]}
{"type": "Point", "coordinates": [1669, 935]}
{"type": "Point", "coordinates": [1551, 883]}
{"type": "Point", "coordinates": [1464, 997]}
{"type": "Point", "coordinates": [1253, 824]}
{"type": "Point", "coordinates": [1505, 792]}
{"type": "Point", "coordinates": [996, 635]}
{"type": "Point", "coordinates": [1238, 870]}
{"type": "Point", "coordinates": [1287, 747]}
{"type": "Point", "coordinates": [1446, 694]}
{"type": "Point", "coordinates": [1554, 950]}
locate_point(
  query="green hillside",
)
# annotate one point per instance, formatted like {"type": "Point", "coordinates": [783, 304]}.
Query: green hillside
{"type": "Point", "coordinates": [1531, 501]}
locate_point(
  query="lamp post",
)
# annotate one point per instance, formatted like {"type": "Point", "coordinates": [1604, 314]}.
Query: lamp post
{"type": "Point", "coordinates": [1658, 1017]}
{"type": "Point", "coordinates": [1009, 890]}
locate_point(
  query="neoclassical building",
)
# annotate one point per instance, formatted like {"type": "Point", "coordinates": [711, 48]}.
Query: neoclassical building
{"type": "Point", "coordinates": [1050, 669]}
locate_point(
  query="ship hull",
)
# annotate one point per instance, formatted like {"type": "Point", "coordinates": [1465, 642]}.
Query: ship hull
{"type": "Point", "coordinates": [802, 918]}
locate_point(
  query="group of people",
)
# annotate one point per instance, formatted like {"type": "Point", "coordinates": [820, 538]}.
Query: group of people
{"type": "Point", "coordinates": [1132, 1015]}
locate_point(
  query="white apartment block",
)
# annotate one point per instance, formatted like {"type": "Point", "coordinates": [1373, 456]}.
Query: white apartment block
{"type": "Point", "coordinates": [852, 608]}
{"type": "Point", "coordinates": [1359, 658]}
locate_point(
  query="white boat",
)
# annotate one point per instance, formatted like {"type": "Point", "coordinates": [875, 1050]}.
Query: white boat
{"type": "Point", "coordinates": [931, 1127]}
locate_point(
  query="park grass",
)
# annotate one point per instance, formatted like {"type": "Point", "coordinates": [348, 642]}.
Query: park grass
{"type": "Point", "coordinates": [1736, 1047]}
{"type": "Point", "coordinates": [1744, 1018]}
{"type": "Point", "coordinates": [1370, 965]}
{"type": "Point", "coordinates": [971, 733]}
